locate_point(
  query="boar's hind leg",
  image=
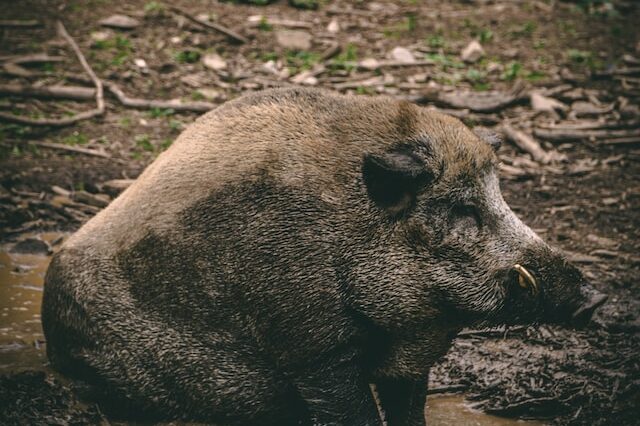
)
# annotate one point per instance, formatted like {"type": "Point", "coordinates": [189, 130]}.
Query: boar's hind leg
{"type": "Point", "coordinates": [335, 394]}
{"type": "Point", "coordinates": [403, 401]}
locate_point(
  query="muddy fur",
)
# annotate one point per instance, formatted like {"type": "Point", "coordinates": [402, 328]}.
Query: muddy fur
{"type": "Point", "coordinates": [290, 248]}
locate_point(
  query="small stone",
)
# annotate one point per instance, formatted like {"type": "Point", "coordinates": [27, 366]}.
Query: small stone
{"type": "Point", "coordinates": [142, 65]}
{"type": "Point", "coordinates": [305, 78]}
{"type": "Point", "coordinates": [473, 52]}
{"type": "Point", "coordinates": [493, 67]}
{"type": "Point", "coordinates": [293, 39]}
{"type": "Point", "coordinates": [214, 61]}
{"type": "Point", "coordinates": [31, 246]}
{"type": "Point", "coordinates": [121, 22]}
{"type": "Point", "coordinates": [370, 64]}
{"type": "Point", "coordinates": [334, 26]}
{"type": "Point", "coordinates": [175, 40]}
{"type": "Point", "coordinates": [96, 200]}
{"type": "Point", "coordinates": [100, 36]}
{"type": "Point", "coordinates": [116, 186]}
{"type": "Point", "coordinates": [212, 94]}
{"type": "Point", "coordinates": [545, 104]}
{"type": "Point", "coordinates": [402, 54]}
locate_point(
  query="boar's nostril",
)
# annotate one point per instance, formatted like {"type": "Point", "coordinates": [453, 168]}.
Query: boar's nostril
{"type": "Point", "coordinates": [526, 280]}
{"type": "Point", "coordinates": [583, 314]}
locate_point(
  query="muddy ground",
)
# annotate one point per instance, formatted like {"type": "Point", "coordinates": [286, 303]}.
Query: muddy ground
{"type": "Point", "coordinates": [565, 73]}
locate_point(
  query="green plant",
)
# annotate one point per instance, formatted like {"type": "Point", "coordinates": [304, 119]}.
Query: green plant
{"type": "Point", "coordinates": [143, 142]}
{"type": "Point", "coordinates": [524, 30]}
{"type": "Point", "coordinates": [160, 112]}
{"type": "Point", "coordinates": [485, 35]}
{"type": "Point", "coordinates": [166, 143]}
{"type": "Point", "coordinates": [264, 25]}
{"type": "Point", "coordinates": [175, 125]}
{"type": "Point", "coordinates": [346, 58]}
{"type": "Point", "coordinates": [512, 71]}
{"type": "Point", "coordinates": [447, 61]}
{"type": "Point", "coordinates": [75, 138]}
{"type": "Point", "coordinates": [187, 56]}
{"type": "Point", "coordinates": [435, 41]}
{"type": "Point", "coordinates": [301, 60]}
{"type": "Point", "coordinates": [153, 8]}
{"type": "Point", "coordinates": [408, 24]}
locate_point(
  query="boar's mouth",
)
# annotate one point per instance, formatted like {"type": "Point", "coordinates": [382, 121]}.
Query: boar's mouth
{"type": "Point", "coordinates": [581, 316]}
{"type": "Point", "coordinates": [576, 313]}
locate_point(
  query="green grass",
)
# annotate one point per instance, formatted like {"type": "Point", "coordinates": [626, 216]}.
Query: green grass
{"type": "Point", "coordinates": [144, 142]}
{"type": "Point", "coordinates": [120, 47]}
{"type": "Point", "coordinates": [301, 60]}
{"type": "Point", "coordinates": [160, 112]}
{"type": "Point", "coordinates": [346, 58]}
{"type": "Point", "coordinates": [75, 138]}
{"type": "Point", "coordinates": [187, 56]}
{"type": "Point", "coordinates": [435, 41]}
{"type": "Point", "coordinates": [446, 61]}
{"type": "Point", "coordinates": [512, 71]}
{"type": "Point", "coordinates": [407, 25]}
{"type": "Point", "coordinates": [264, 25]}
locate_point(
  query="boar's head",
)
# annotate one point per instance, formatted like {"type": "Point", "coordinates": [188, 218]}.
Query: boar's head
{"type": "Point", "coordinates": [453, 247]}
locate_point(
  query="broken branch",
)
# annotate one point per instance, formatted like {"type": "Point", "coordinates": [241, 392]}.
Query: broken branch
{"type": "Point", "coordinates": [212, 25]}
{"type": "Point", "coordinates": [60, 122]}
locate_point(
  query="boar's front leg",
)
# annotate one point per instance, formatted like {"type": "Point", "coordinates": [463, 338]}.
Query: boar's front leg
{"type": "Point", "coordinates": [336, 394]}
{"type": "Point", "coordinates": [403, 401]}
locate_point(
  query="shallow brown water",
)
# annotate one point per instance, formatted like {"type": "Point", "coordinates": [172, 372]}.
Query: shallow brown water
{"type": "Point", "coordinates": [22, 341]}
{"type": "Point", "coordinates": [21, 278]}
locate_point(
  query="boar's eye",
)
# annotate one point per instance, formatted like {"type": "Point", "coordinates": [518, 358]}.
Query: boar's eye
{"type": "Point", "coordinates": [467, 216]}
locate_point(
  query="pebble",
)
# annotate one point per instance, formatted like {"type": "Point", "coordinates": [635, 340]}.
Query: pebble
{"type": "Point", "coordinates": [293, 39]}
{"type": "Point", "coordinates": [121, 22]}
{"type": "Point", "coordinates": [402, 54]}
{"type": "Point", "coordinates": [214, 61]}
{"type": "Point", "coordinates": [473, 52]}
{"type": "Point", "coordinates": [31, 246]}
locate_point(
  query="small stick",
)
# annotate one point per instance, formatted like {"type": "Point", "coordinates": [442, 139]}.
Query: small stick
{"type": "Point", "coordinates": [212, 25]}
{"type": "Point", "coordinates": [78, 93]}
{"type": "Point", "coordinates": [32, 58]}
{"type": "Point", "coordinates": [60, 122]}
{"type": "Point", "coordinates": [150, 103]}
{"type": "Point", "coordinates": [75, 149]}
{"type": "Point", "coordinates": [20, 24]}
{"type": "Point", "coordinates": [526, 143]}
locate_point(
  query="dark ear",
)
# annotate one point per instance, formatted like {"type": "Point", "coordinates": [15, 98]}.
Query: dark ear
{"type": "Point", "coordinates": [489, 136]}
{"type": "Point", "coordinates": [394, 179]}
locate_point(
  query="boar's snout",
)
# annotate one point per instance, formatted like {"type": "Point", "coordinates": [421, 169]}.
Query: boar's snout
{"type": "Point", "coordinates": [560, 289]}
{"type": "Point", "coordinates": [592, 300]}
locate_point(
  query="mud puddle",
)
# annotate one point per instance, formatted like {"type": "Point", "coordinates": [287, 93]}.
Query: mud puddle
{"type": "Point", "coordinates": [22, 345]}
{"type": "Point", "coordinates": [21, 279]}
{"type": "Point", "coordinates": [446, 410]}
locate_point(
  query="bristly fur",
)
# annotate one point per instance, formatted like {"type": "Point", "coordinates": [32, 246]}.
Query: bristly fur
{"type": "Point", "coordinates": [291, 247]}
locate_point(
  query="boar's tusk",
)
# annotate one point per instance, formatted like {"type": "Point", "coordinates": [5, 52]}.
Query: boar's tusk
{"type": "Point", "coordinates": [525, 279]}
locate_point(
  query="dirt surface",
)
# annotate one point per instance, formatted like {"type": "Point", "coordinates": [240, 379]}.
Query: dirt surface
{"type": "Point", "coordinates": [577, 185]}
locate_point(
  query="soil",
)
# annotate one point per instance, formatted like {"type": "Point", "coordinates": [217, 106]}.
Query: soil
{"type": "Point", "coordinates": [587, 204]}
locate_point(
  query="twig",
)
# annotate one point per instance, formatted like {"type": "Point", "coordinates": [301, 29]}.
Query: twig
{"type": "Point", "coordinates": [447, 389]}
{"type": "Point", "coordinates": [20, 24]}
{"type": "Point", "coordinates": [78, 93]}
{"type": "Point", "coordinates": [59, 122]}
{"type": "Point", "coordinates": [622, 141]}
{"type": "Point", "coordinates": [570, 134]}
{"type": "Point", "coordinates": [33, 58]}
{"type": "Point", "coordinates": [217, 27]}
{"type": "Point", "coordinates": [490, 332]}
{"type": "Point", "coordinates": [75, 149]}
{"type": "Point", "coordinates": [526, 143]}
{"type": "Point", "coordinates": [150, 103]}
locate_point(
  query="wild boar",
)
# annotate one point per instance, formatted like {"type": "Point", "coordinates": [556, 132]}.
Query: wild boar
{"type": "Point", "coordinates": [291, 248]}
